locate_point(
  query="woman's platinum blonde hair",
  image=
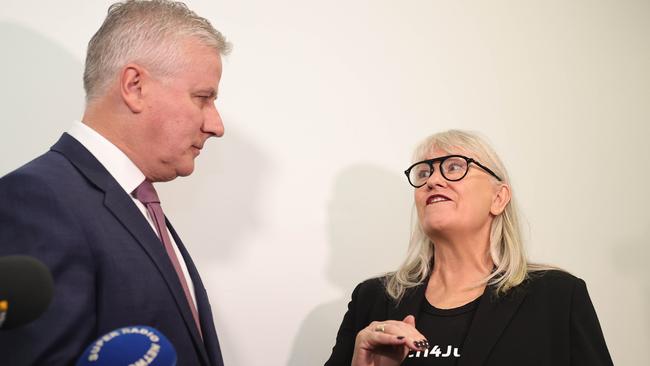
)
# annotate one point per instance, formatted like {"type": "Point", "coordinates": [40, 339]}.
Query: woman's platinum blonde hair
{"type": "Point", "coordinates": [150, 33]}
{"type": "Point", "coordinates": [506, 247]}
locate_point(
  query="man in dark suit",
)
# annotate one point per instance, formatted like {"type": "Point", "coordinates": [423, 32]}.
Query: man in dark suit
{"type": "Point", "coordinates": [87, 208]}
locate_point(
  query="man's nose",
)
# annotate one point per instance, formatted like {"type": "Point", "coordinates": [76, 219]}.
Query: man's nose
{"type": "Point", "coordinates": [212, 123]}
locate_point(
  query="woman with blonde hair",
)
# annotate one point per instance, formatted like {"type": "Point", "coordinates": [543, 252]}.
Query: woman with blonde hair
{"type": "Point", "coordinates": [466, 294]}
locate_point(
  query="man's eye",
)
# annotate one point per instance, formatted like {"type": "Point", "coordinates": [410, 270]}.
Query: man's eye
{"type": "Point", "coordinates": [204, 99]}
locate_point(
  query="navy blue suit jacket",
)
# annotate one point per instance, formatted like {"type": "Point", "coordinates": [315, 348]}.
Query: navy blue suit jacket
{"type": "Point", "coordinates": [110, 269]}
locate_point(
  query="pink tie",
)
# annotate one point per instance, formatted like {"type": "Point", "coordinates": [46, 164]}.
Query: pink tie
{"type": "Point", "coordinates": [146, 194]}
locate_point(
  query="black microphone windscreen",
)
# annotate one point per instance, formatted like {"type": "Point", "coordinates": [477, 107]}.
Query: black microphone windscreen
{"type": "Point", "coordinates": [26, 289]}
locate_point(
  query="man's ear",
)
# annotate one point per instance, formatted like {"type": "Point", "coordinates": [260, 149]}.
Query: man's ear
{"type": "Point", "coordinates": [500, 200]}
{"type": "Point", "coordinates": [132, 79]}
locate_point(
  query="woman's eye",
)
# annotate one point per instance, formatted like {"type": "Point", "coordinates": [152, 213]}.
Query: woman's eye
{"type": "Point", "coordinates": [423, 173]}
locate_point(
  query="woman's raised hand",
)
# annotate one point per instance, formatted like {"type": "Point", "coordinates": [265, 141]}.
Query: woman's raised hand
{"type": "Point", "coordinates": [387, 343]}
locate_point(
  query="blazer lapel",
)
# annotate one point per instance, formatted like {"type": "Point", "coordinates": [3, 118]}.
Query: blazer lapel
{"type": "Point", "coordinates": [210, 341]}
{"type": "Point", "coordinates": [410, 303]}
{"type": "Point", "coordinates": [124, 210]}
{"type": "Point", "coordinates": [122, 207]}
{"type": "Point", "coordinates": [491, 318]}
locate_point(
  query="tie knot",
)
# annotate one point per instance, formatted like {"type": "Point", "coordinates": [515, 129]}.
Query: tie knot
{"type": "Point", "coordinates": [146, 193]}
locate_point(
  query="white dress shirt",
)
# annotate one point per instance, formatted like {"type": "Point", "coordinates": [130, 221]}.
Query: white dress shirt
{"type": "Point", "coordinates": [127, 175]}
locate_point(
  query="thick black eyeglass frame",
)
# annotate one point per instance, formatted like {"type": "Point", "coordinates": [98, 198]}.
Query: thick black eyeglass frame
{"type": "Point", "coordinates": [442, 159]}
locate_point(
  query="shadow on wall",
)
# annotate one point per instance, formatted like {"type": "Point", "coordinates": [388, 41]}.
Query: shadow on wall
{"type": "Point", "coordinates": [41, 94]}
{"type": "Point", "coordinates": [224, 195]}
{"type": "Point", "coordinates": [368, 227]}
{"type": "Point", "coordinates": [632, 258]}
{"type": "Point", "coordinates": [217, 208]}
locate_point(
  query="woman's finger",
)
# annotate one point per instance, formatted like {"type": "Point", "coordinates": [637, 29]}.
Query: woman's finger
{"type": "Point", "coordinates": [401, 330]}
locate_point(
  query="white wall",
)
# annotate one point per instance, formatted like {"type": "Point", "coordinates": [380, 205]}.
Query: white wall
{"type": "Point", "coordinates": [323, 102]}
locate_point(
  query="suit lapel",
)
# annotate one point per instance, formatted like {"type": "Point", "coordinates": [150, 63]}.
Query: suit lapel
{"type": "Point", "coordinates": [210, 340]}
{"type": "Point", "coordinates": [410, 303]}
{"type": "Point", "coordinates": [125, 211]}
{"type": "Point", "coordinates": [120, 204]}
{"type": "Point", "coordinates": [492, 316]}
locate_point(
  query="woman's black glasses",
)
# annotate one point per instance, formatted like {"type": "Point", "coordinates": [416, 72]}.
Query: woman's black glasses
{"type": "Point", "coordinates": [452, 167]}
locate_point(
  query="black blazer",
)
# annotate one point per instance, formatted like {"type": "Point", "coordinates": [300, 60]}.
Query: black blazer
{"type": "Point", "coordinates": [110, 269]}
{"type": "Point", "coordinates": [547, 320]}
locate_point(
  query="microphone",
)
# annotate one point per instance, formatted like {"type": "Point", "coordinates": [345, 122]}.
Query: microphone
{"type": "Point", "coordinates": [137, 345]}
{"type": "Point", "coordinates": [26, 289]}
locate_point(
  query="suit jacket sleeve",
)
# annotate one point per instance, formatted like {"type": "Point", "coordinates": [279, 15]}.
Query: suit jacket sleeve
{"type": "Point", "coordinates": [34, 221]}
{"type": "Point", "coordinates": [368, 303]}
{"type": "Point", "coordinates": [344, 347]}
{"type": "Point", "coordinates": [588, 346]}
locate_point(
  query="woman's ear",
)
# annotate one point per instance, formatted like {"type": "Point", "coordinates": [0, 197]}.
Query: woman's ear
{"type": "Point", "coordinates": [501, 199]}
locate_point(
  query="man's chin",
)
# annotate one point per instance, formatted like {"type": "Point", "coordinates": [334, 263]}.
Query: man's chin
{"type": "Point", "coordinates": [168, 171]}
{"type": "Point", "coordinates": [185, 170]}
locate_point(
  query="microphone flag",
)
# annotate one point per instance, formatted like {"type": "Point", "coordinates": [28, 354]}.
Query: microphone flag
{"type": "Point", "coordinates": [137, 345]}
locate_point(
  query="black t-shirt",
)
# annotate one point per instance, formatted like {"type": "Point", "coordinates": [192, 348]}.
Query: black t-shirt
{"type": "Point", "coordinates": [445, 330]}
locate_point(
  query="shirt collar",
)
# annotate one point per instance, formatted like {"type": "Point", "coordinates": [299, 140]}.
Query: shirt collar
{"type": "Point", "coordinates": [125, 172]}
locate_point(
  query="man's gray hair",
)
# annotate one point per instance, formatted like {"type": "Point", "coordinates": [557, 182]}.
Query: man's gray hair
{"type": "Point", "coordinates": [150, 33]}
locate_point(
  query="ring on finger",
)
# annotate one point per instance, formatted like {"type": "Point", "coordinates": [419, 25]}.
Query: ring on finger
{"type": "Point", "coordinates": [380, 328]}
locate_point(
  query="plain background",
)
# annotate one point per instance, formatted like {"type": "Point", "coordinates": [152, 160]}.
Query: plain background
{"type": "Point", "coordinates": [323, 102]}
